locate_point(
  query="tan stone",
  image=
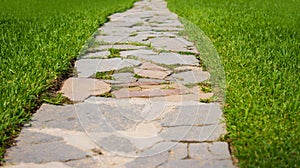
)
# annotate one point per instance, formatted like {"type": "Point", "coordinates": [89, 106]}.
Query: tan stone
{"type": "Point", "coordinates": [187, 68]}
{"type": "Point", "coordinates": [152, 73]}
{"type": "Point", "coordinates": [150, 66]}
{"type": "Point", "coordinates": [146, 93]}
{"type": "Point", "coordinates": [78, 89]}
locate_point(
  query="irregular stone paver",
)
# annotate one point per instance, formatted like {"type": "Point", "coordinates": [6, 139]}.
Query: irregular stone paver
{"type": "Point", "coordinates": [137, 52]}
{"type": "Point", "coordinates": [171, 59]}
{"type": "Point", "coordinates": [121, 78]}
{"type": "Point", "coordinates": [150, 115]}
{"type": "Point", "coordinates": [100, 54]}
{"type": "Point", "coordinates": [147, 91]}
{"type": "Point", "coordinates": [191, 77]}
{"type": "Point", "coordinates": [78, 89]}
{"type": "Point", "coordinates": [150, 66]}
{"type": "Point", "coordinates": [191, 115]}
{"type": "Point", "coordinates": [45, 152]}
{"type": "Point", "coordinates": [187, 68]}
{"type": "Point", "coordinates": [87, 67]}
{"type": "Point", "coordinates": [172, 44]}
{"type": "Point", "coordinates": [197, 164]}
{"type": "Point", "coordinates": [122, 47]}
{"type": "Point", "coordinates": [156, 74]}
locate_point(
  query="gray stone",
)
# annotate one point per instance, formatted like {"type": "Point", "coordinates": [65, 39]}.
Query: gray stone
{"type": "Point", "coordinates": [194, 133]}
{"type": "Point", "coordinates": [100, 54]}
{"type": "Point", "coordinates": [145, 80]}
{"type": "Point", "coordinates": [78, 89]}
{"type": "Point", "coordinates": [45, 152]}
{"type": "Point", "coordinates": [187, 68]}
{"type": "Point", "coordinates": [51, 116]}
{"type": "Point", "coordinates": [156, 74]}
{"type": "Point", "coordinates": [33, 165]}
{"type": "Point", "coordinates": [121, 47]}
{"type": "Point", "coordinates": [171, 44]}
{"type": "Point", "coordinates": [137, 52]}
{"type": "Point", "coordinates": [120, 78]}
{"type": "Point", "coordinates": [88, 162]}
{"type": "Point", "coordinates": [190, 77]}
{"type": "Point", "coordinates": [171, 59]}
{"type": "Point", "coordinates": [92, 119]}
{"type": "Point", "coordinates": [175, 150]}
{"type": "Point", "coordinates": [108, 117]}
{"type": "Point", "coordinates": [151, 161]}
{"type": "Point", "coordinates": [150, 66]}
{"type": "Point", "coordinates": [111, 39]}
{"type": "Point", "coordinates": [28, 137]}
{"type": "Point", "coordinates": [197, 164]}
{"type": "Point", "coordinates": [210, 151]}
{"type": "Point", "coordinates": [147, 93]}
{"type": "Point", "coordinates": [202, 114]}
{"type": "Point", "coordinates": [117, 144]}
{"type": "Point", "coordinates": [88, 67]}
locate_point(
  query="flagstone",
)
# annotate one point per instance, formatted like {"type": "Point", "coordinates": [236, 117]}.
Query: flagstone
{"type": "Point", "coordinates": [187, 68]}
{"type": "Point", "coordinates": [190, 77]}
{"type": "Point", "coordinates": [78, 89]}
{"type": "Point", "coordinates": [171, 59]}
{"type": "Point", "coordinates": [100, 54]}
{"type": "Point", "coordinates": [88, 67]}
{"type": "Point", "coordinates": [156, 74]}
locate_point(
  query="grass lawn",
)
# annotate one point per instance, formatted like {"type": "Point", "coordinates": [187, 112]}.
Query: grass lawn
{"type": "Point", "coordinates": [258, 43]}
{"type": "Point", "coordinates": [38, 40]}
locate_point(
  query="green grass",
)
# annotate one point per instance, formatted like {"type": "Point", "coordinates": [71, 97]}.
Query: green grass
{"type": "Point", "coordinates": [258, 43]}
{"type": "Point", "coordinates": [107, 75]}
{"type": "Point", "coordinates": [38, 40]}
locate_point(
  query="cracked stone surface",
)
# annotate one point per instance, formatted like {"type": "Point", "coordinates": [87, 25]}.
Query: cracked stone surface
{"type": "Point", "coordinates": [78, 89]}
{"type": "Point", "coordinates": [147, 115]}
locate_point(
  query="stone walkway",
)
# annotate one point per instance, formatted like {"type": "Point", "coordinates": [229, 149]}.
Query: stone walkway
{"type": "Point", "coordinates": [136, 103]}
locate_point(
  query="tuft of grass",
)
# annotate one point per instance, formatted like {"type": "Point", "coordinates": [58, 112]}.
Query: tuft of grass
{"type": "Point", "coordinates": [133, 34]}
{"type": "Point", "coordinates": [209, 100]}
{"type": "Point", "coordinates": [125, 70]}
{"type": "Point", "coordinates": [114, 53]}
{"type": "Point", "coordinates": [38, 41]}
{"type": "Point", "coordinates": [107, 94]}
{"type": "Point", "coordinates": [258, 43]}
{"type": "Point", "coordinates": [206, 87]}
{"type": "Point", "coordinates": [107, 75]}
{"type": "Point", "coordinates": [138, 76]}
{"type": "Point", "coordinates": [55, 99]}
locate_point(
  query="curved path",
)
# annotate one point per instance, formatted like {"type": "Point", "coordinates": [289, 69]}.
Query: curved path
{"type": "Point", "coordinates": [136, 103]}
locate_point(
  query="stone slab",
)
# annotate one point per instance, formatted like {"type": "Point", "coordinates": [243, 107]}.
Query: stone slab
{"type": "Point", "coordinates": [156, 74]}
{"type": "Point", "coordinates": [194, 133]}
{"type": "Point", "coordinates": [210, 151]}
{"type": "Point", "coordinates": [137, 52]}
{"type": "Point", "coordinates": [78, 89]}
{"type": "Point", "coordinates": [121, 47]}
{"type": "Point", "coordinates": [51, 116]}
{"type": "Point", "coordinates": [171, 44]}
{"type": "Point", "coordinates": [28, 137]}
{"type": "Point", "coordinates": [122, 78]}
{"type": "Point", "coordinates": [44, 152]}
{"type": "Point", "coordinates": [150, 66]}
{"type": "Point", "coordinates": [87, 67]}
{"type": "Point", "coordinates": [191, 77]}
{"type": "Point", "coordinates": [197, 164]}
{"type": "Point", "coordinates": [189, 115]}
{"type": "Point", "coordinates": [99, 54]}
{"type": "Point", "coordinates": [171, 59]}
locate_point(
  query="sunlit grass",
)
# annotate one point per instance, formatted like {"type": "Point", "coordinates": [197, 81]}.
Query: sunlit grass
{"type": "Point", "coordinates": [38, 40]}
{"type": "Point", "coordinates": [258, 42]}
